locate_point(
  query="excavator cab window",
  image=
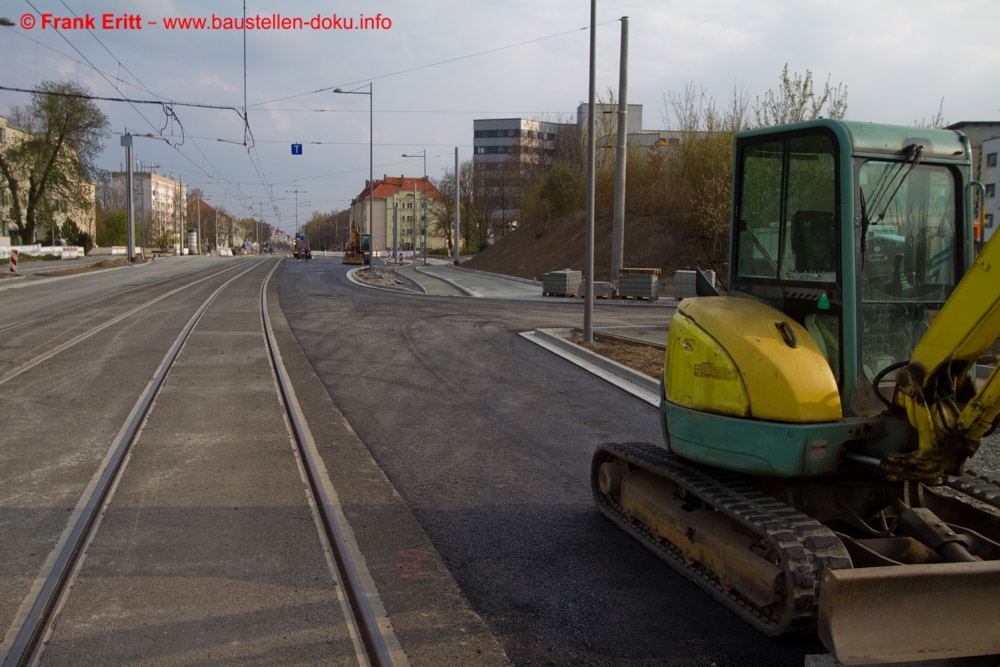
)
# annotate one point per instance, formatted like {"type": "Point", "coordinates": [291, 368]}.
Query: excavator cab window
{"type": "Point", "coordinates": [787, 224]}
{"type": "Point", "coordinates": [908, 255]}
{"type": "Point", "coordinates": [787, 235]}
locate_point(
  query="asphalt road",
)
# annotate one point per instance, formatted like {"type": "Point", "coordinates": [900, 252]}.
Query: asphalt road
{"type": "Point", "coordinates": [486, 439]}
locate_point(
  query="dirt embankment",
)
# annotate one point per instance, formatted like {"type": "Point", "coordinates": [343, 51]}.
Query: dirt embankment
{"type": "Point", "coordinates": [534, 249]}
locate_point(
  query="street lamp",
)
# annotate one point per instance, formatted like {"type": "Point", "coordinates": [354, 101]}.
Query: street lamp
{"type": "Point", "coordinates": [423, 216]}
{"type": "Point", "coordinates": [371, 166]}
{"type": "Point", "coordinates": [4, 21]}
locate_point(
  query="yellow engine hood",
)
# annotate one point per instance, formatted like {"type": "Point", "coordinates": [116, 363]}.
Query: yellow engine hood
{"type": "Point", "coordinates": [738, 356]}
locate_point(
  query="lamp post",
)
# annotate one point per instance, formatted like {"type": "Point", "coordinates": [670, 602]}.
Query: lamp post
{"type": "Point", "coordinates": [371, 165]}
{"type": "Point", "coordinates": [423, 215]}
{"type": "Point", "coordinates": [297, 230]}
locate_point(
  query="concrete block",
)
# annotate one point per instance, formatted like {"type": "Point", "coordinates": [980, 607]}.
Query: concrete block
{"type": "Point", "coordinates": [562, 283]}
{"type": "Point", "coordinates": [684, 283]}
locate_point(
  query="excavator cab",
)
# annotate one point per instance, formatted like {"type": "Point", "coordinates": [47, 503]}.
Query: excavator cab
{"type": "Point", "coordinates": [859, 232]}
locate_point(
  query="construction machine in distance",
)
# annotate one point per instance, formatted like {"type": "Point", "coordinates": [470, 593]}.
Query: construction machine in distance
{"type": "Point", "coordinates": [818, 418]}
{"type": "Point", "coordinates": [358, 247]}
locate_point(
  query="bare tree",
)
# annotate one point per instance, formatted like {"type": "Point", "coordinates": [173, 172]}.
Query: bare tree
{"type": "Point", "coordinates": [796, 101]}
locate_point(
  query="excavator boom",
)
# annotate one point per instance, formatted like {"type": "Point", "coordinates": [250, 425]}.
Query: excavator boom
{"type": "Point", "coordinates": [950, 413]}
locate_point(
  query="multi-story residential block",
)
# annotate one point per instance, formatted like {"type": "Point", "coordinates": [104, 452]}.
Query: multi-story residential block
{"type": "Point", "coordinates": [405, 199]}
{"type": "Point", "coordinates": [990, 178]}
{"type": "Point", "coordinates": [159, 205]}
{"type": "Point", "coordinates": [10, 230]}
{"type": "Point", "coordinates": [511, 153]}
{"type": "Point", "coordinates": [508, 155]}
{"type": "Point", "coordinates": [502, 140]}
{"type": "Point", "coordinates": [984, 137]}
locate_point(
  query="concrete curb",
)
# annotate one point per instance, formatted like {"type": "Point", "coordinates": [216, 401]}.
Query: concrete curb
{"type": "Point", "coordinates": [557, 341]}
{"type": "Point", "coordinates": [461, 288]}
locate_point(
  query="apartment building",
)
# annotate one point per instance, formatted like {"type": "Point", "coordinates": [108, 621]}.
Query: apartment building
{"type": "Point", "coordinates": [159, 205]}
{"type": "Point", "coordinates": [990, 178]}
{"type": "Point", "coordinates": [500, 140]}
{"type": "Point", "coordinates": [401, 207]}
{"type": "Point", "coordinates": [511, 153]}
{"type": "Point", "coordinates": [984, 137]}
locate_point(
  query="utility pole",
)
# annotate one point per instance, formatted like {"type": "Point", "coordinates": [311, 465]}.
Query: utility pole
{"type": "Point", "coordinates": [130, 196]}
{"type": "Point", "coordinates": [588, 305]}
{"type": "Point", "coordinates": [618, 224]}
{"type": "Point", "coordinates": [457, 208]}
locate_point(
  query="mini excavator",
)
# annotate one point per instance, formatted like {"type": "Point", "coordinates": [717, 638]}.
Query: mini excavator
{"type": "Point", "coordinates": [358, 249]}
{"type": "Point", "coordinates": [819, 417]}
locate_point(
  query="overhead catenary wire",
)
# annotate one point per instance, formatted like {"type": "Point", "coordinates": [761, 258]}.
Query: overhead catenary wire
{"type": "Point", "coordinates": [169, 107]}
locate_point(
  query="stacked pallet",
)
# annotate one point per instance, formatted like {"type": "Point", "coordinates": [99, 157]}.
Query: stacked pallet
{"type": "Point", "coordinates": [561, 283]}
{"type": "Point", "coordinates": [638, 283]}
{"type": "Point", "coordinates": [603, 290]}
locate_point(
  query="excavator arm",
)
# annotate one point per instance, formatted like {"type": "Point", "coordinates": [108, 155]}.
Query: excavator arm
{"type": "Point", "coordinates": [942, 402]}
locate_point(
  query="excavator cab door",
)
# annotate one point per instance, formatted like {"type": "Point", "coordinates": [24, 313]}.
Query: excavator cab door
{"type": "Point", "coordinates": [788, 239]}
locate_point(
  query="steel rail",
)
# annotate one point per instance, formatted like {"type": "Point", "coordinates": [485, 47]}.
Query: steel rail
{"type": "Point", "coordinates": [47, 595]}
{"type": "Point", "coordinates": [378, 651]}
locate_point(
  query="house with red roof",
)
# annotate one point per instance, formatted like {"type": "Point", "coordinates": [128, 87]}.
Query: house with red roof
{"type": "Point", "coordinates": [400, 208]}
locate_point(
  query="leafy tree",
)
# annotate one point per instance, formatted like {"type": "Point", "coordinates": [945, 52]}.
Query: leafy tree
{"type": "Point", "coordinates": [52, 163]}
{"type": "Point", "coordinates": [163, 241]}
{"type": "Point", "coordinates": [114, 229]}
{"type": "Point", "coordinates": [73, 235]}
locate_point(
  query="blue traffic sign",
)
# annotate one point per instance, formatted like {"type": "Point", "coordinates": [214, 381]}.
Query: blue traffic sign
{"type": "Point", "coordinates": [296, 149]}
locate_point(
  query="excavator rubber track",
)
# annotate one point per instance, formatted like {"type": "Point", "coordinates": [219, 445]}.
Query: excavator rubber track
{"type": "Point", "coordinates": [800, 546]}
{"type": "Point", "coordinates": [984, 488]}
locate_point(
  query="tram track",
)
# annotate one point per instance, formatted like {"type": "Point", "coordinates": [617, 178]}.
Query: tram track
{"type": "Point", "coordinates": [33, 626]}
{"type": "Point", "coordinates": [97, 328]}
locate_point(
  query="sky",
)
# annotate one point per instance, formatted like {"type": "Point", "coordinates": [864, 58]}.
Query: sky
{"type": "Point", "coordinates": [432, 67]}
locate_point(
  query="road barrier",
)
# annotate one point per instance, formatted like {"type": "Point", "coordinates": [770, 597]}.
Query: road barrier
{"type": "Point", "coordinates": [13, 260]}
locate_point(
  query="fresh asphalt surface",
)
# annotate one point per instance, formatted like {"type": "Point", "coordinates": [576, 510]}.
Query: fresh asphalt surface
{"type": "Point", "coordinates": [487, 440]}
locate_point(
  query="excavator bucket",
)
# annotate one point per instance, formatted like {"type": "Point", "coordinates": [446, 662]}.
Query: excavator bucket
{"type": "Point", "coordinates": [881, 615]}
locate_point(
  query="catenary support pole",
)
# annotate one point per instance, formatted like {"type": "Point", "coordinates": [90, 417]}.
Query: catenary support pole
{"type": "Point", "coordinates": [129, 197]}
{"type": "Point", "coordinates": [458, 223]}
{"type": "Point", "coordinates": [588, 301]}
{"type": "Point", "coordinates": [618, 224]}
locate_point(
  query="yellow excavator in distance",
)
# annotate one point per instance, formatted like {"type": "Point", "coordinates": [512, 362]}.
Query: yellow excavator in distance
{"type": "Point", "coordinates": [358, 247]}
{"type": "Point", "coordinates": [818, 418]}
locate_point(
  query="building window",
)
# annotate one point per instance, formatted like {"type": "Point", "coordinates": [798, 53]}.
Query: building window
{"type": "Point", "coordinates": [480, 150]}
{"type": "Point", "coordinates": [989, 220]}
{"type": "Point", "coordinates": [3, 136]}
{"type": "Point", "coordinates": [991, 158]}
{"type": "Point", "coordinates": [503, 149]}
{"type": "Point", "coordinates": [991, 189]}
